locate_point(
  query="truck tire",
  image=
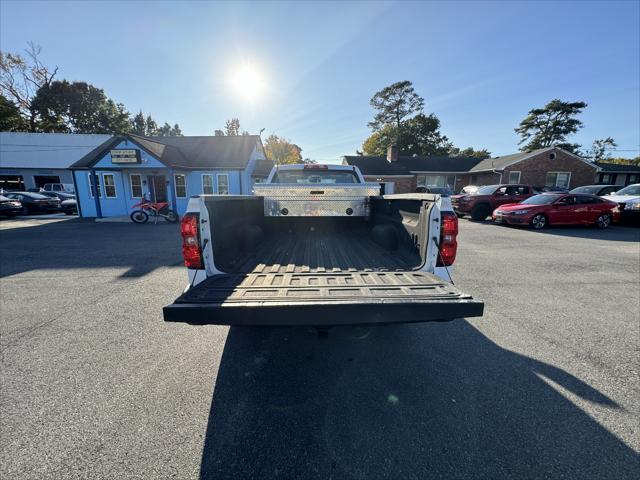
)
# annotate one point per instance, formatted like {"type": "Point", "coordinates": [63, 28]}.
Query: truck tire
{"type": "Point", "coordinates": [480, 212]}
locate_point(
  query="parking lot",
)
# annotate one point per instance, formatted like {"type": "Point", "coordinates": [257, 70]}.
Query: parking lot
{"type": "Point", "coordinates": [96, 385]}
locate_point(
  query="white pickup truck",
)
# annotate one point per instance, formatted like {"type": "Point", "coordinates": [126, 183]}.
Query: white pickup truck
{"type": "Point", "coordinates": [316, 245]}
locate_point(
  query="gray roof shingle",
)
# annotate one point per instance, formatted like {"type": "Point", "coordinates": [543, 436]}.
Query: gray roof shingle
{"type": "Point", "coordinates": [185, 152]}
{"type": "Point", "coordinates": [373, 165]}
{"type": "Point", "coordinates": [618, 168]}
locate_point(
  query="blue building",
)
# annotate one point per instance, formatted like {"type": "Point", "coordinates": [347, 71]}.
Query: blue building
{"type": "Point", "coordinates": [115, 176]}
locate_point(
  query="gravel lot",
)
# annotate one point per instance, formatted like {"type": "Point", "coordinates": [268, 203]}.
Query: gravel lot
{"type": "Point", "coordinates": [95, 385]}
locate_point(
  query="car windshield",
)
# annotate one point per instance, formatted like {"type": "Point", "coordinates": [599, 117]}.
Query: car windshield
{"type": "Point", "coordinates": [541, 199]}
{"type": "Point", "coordinates": [36, 196]}
{"type": "Point", "coordinates": [313, 175]}
{"type": "Point", "coordinates": [630, 190]}
{"type": "Point", "coordinates": [486, 190]}
{"type": "Point", "coordinates": [592, 189]}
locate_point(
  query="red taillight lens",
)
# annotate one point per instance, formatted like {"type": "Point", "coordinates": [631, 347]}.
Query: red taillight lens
{"type": "Point", "coordinates": [448, 238]}
{"type": "Point", "coordinates": [191, 241]}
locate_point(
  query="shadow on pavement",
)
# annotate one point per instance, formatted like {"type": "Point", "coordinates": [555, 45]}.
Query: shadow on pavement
{"type": "Point", "coordinates": [404, 401]}
{"type": "Point", "coordinates": [78, 244]}
{"type": "Point", "coordinates": [615, 233]}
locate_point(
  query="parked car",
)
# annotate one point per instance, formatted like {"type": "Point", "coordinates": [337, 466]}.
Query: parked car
{"type": "Point", "coordinates": [486, 199]}
{"type": "Point", "coordinates": [628, 200]}
{"type": "Point", "coordinates": [62, 196]}
{"type": "Point", "coordinates": [69, 207]}
{"type": "Point", "coordinates": [559, 209]}
{"type": "Point", "coordinates": [318, 246]}
{"type": "Point", "coordinates": [59, 187]}
{"type": "Point", "coordinates": [35, 202]}
{"type": "Point", "coordinates": [9, 207]}
{"type": "Point", "coordinates": [599, 190]}
{"type": "Point", "coordinates": [469, 189]}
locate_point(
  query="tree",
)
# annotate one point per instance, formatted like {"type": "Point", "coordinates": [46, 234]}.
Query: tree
{"type": "Point", "coordinates": [550, 125]}
{"type": "Point", "coordinates": [152, 126]}
{"type": "Point", "coordinates": [20, 80]}
{"type": "Point", "coordinates": [394, 103]}
{"type": "Point", "coordinates": [139, 124]}
{"type": "Point", "coordinates": [176, 131]}
{"type": "Point", "coordinates": [10, 118]}
{"type": "Point", "coordinates": [218, 133]}
{"type": "Point", "coordinates": [624, 161]}
{"type": "Point", "coordinates": [281, 150]}
{"type": "Point", "coordinates": [232, 127]}
{"type": "Point", "coordinates": [78, 107]}
{"type": "Point", "coordinates": [470, 152]}
{"type": "Point", "coordinates": [419, 135]}
{"type": "Point", "coordinates": [599, 148]}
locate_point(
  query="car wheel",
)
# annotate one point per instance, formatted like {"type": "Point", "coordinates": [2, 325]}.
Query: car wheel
{"type": "Point", "coordinates": [480, 212]}
{"type": "Point", "coordinates": [603, 221]}
{"type": "Point", "coordinates": [539, 221]}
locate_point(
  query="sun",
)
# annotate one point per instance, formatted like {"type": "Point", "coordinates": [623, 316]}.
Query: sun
{"type": "Point", "coordinates": [247, 81]}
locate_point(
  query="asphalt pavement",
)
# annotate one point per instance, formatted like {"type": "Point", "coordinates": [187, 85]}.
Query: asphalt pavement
{"type": "Point", "coordinates": [95, 385]}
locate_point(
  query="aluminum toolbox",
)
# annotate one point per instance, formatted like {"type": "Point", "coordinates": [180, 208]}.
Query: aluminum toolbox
{"type": "Point", "coordinates": [320, 200]}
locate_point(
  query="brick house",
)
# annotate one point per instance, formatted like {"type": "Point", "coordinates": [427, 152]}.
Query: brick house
{"type": "Point", "coordinates": [401, 174]}
{"type": "Point", "coordinates": [615, 174]}
{"type": "Point", "coordinates": [546, 167]}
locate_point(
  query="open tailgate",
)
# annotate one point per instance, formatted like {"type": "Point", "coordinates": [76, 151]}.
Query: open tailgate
{"type": "Point", "coordinates": [322, 299]}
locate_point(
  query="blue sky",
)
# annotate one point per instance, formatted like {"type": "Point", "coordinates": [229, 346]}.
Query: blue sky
{"type": "Point", "coordinates": [479, 65]}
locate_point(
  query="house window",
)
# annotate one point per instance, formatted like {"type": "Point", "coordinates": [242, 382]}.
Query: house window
{"type": "Point", "coordinates": [606, 178]}
{"type": "Point", "coordinates": [223, 184]}
{"type": "Point", "coordinates": [181, 185]}
{"type": "Point", "coordinates": [514, 177]}
{"type": "Point", "coordinates": [436, 181]}
{"type": "Point", "coordinates": [632, 178]}
{"type": "Point", "coordinates": [207, 184]}
{"type": "Point", "coordinates": [92, 189]}
{"type": "Point", "coordinates": [558, 179]}
{"type": "Point", "coordinates": [136, 185]}
{"type": "Point", "coordinates": [109, 180]}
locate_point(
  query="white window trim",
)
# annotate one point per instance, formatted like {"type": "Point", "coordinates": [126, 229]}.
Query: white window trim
{"type": "Point", "coordinates": [99, 186]}
{"type": "Point", "coordinates": [218, 175]}
{"type": "Point", "coordinates": [104, 189]}
{"type": "Point", "coordinates": [519, 175]}
{"type": "Point", "coordinates": [175, 184]}
{"type": "Point", "coordinates": [556, 184]}
{"type": "Point", "coordinates": [202, 183]}
{"type": "Point", "coordinates": [131, 185]}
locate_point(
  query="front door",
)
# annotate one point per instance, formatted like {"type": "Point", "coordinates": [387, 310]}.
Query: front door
{"type": "Point", "coordinates": [158, 188]}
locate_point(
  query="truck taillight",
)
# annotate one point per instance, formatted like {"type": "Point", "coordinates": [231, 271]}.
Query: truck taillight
{"type": "Point", "coordinates": [191, 241]}
{"type": "Point", "coordinates": [448, 238]}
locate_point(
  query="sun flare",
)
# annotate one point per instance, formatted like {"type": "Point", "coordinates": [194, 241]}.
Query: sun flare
{"type": "Point", "coordinates": [247, 81]}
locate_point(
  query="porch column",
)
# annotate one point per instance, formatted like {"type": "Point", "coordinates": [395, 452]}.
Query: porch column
{"type": "Point", "coordinates": [96, 197]}
{"type": "Point", "coordinates": [172, 191]}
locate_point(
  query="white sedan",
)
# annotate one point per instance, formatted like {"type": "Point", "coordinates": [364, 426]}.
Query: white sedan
{"type": "Point", "coordinates": [629, 201]}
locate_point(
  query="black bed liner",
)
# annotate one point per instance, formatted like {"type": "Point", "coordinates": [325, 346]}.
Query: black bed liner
{"type": "Point", "coordinates": [317, 252]}
{"type": "Point", "coordinates": [322, 299]}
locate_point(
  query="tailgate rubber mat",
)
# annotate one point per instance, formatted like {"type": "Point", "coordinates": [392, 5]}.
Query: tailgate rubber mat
{"type": "Point", "coordinates": [329, 298]}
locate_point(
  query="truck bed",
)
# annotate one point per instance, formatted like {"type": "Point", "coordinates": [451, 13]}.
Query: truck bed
{"type": "Point", "coordinates": [320, 271]}
{"type": "Point", "coordinates": [311, 252]}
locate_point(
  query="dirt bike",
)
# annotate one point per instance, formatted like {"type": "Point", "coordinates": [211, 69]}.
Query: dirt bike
{"type": "Point", "coordinates": [147, 209]}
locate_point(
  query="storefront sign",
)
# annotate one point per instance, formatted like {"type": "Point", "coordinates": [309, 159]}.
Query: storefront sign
{"type": "Point", "coordinates": [125, 156]}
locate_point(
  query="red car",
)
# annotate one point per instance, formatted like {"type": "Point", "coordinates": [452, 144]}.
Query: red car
{"type": "Point", "coordinates": [559, 209]}
{"type": "Point", "coordinates": [482, 202]}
